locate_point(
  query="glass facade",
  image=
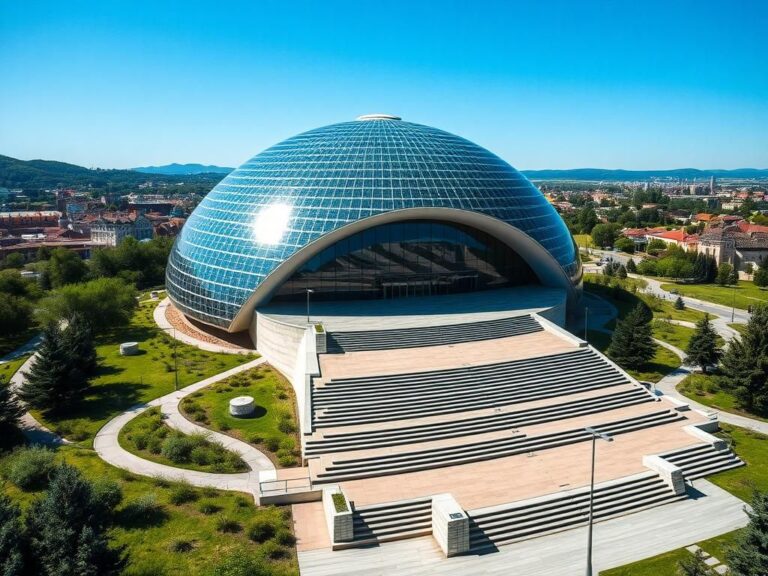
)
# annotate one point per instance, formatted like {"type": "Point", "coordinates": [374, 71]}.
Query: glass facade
{"type": "Point", "coordinates": [314, 183]}
{"type": "Point", "coordinates": [415, 258]}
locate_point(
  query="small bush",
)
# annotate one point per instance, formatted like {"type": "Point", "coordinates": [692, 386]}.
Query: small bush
{"type": "Point", "coordinates": [241, 563]}
{"type": "Point", "coordinates": [227, 525]}
{"type": "Point", "coordinates": [224, 427]}
{"type": "Point", "coordinates": [286, 427]}
{"type": "Point", "coordinates": [145, 507]}
{"type": "Point", "coordinates": [272, 444]}
{"type": "Point", "coordinates": [181, 546]}
{"type": "Point", "coordinates": [177, 448]}
{"type": "Point", "coordinates": [108, 493]}
{"type": "Point", "coordinates": [285, 538]}
{"type": "Point", "coordinates": [261, 530]}
{"type": "Point", "coordinates": [274, 551]}
{"type": "Point", "coordinates": [140, 440]}
{"type": "Point", "coordinates": [30, 468]}
{"type": "Point", "coordinates": [208, 508]}
{"type": "Point", "coordinates": [182, 493]}
{"type": "Point", "coordinates": [256, 438]}
{"type": "Point", "coordinates": [200, 456]}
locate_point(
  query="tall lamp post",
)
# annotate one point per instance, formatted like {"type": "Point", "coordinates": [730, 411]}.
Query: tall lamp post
{"type": "Point", "coordinates": [309, 291]}
{"type": "Point", "coordinates": [595, 435]}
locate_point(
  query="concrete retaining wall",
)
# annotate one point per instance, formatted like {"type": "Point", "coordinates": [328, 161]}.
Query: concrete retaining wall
{"type": "Point", "coordinates": [671, 474]}
{"type": "Point", "coordinates": [340, 525]}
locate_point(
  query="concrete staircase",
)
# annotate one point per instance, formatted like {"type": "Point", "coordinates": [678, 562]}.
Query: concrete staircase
{"type": "Point", "coordinates": [491, 527]}
{"type": "Point", "coordinates": [464, 453]}
{"type": "Point", "coordinates": [369, 439]}
{"type": "Point", "coordinates": [339, 342]}
{"type": "Point", "coordinates": [390, 521]}
{"type": "Point", "coordinates": [352, 401]}
{"type": "Point", "coordinates": [702, 460]}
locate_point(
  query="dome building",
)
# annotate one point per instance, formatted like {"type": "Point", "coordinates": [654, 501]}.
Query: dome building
{"type": "Point", "coordinates": [370, 209]}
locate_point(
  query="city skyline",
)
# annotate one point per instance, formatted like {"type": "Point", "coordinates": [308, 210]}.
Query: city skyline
{"type": "Point", "coordinates": [546, 86]}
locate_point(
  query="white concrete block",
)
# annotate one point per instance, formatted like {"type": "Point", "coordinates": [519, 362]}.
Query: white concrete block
{"type": "Point", "coordinates": [340, 525]}
{"type": "Point", "coordinates": [450, 525]}
{"type": "Point", "coordinates": [671, 474]}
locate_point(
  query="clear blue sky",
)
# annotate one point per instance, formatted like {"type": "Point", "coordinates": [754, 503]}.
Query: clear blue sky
{"type": "Point", "coordinates": [544, 84]}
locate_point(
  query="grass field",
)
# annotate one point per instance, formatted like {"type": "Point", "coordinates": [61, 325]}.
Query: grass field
{"type": "Point", "coordinates": [150, 539]}
{"type": "Point", "coordinates": [150, 438]}
{"type": "Point", "coordinates": [122, 381]}
{"type": "Point", "coordinates": [704, 389]}
{"type": "Point", "coordinates": [8, 369]}
{"type": "Point", "coordinates": [662, 363]}
{"type": "Point", "coordinates": [272, 428]}
{"type": "Point", "coordinates": [740, 328]}
{"type": "Point", "coordinates": [744, 295]}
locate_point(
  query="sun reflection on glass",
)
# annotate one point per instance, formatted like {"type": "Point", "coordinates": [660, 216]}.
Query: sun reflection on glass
{"type": "Point", "coordinates": [271, 223]}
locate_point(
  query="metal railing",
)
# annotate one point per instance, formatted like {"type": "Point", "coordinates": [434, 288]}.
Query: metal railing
{"type": "Point", "coordinates": [287, 486]}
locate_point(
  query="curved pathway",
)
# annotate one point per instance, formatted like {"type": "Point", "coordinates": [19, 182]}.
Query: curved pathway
{"type": "Point", "coordinates": [108, 448]}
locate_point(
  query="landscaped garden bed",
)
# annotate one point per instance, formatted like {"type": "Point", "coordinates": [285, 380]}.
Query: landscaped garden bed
{"type": "Point", "coordinates": [149, 437]}
{"type": "Point", "coordinates": [272, 427]}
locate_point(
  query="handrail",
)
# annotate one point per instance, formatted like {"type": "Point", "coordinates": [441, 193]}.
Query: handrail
{"type": "Point", "coordinates": [286, 485]}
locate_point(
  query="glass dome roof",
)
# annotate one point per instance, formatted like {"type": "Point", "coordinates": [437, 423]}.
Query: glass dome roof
{"type": "Point", "coordinates": [314, 183]}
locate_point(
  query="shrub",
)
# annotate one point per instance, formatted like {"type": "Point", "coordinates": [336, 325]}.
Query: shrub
{"type": "Point", "coordinates": [286, 426]}
{"type": "Point", "coordinates": [256, 438]}
{"type": "Point", "coordinates": [200, 456]}
{"type": "Point", "coordinates": [227, 525]}
{"type": "Point", "coordinates": [208, 508]}
{"type": "Point", "coordinates": [108, 493]}
{"type": "Point", "coordinates": [180, 546]}
{"type": "Point", "coordinates": [274, 551]}
{"type": "Point", "coordinates": [288, 444]}
{"type": "Point", "coordinates": [241, 563]}
{"type": "Point", "coordinates": [285, 538]}
{"type": "Point", "coordinates": [272, 444]}
{"type": "Point", "coordinates": [261, 530]}
{"type": "Point", "coordinates": [145, 507]}
{"type": "Point", "coordinates": [224, 426]}
{"type": "Point", "coordinates": [177, 448]}
{"type": "Point", "coordinates": [29, 468]}
{"type": "Point", "coordinates": [286, 458]}
{"type": "Point", "coordinates": [182, 493]}
{"type": "Point", "coordinates": [140, 440]}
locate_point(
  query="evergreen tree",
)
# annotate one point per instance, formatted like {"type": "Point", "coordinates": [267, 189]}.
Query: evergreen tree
{"type": "Point", "coordinates": [631, 266]}
{"type": "Point", "coordinates": [679, 304]}
{"type": "Point", "coordinates": [78, 339]}
{"type": "Point", "coordinates": [621, 272]}
{"type": "Point", "coordinates": [700, 267]}
{"type": "Point", "coordinates": [702, 348]}
{"type": "Point", "coordinates": [744, 365]}
{"type": "Point", "coordinates": [56, 379]}
{"type": "Point", "coordinates": [694, 565]}
{"type": "Point", "coordinates": [632, 343]}
{"type": "Point", "coordinates": [760, 277]}
{"type": "Point", "coordinates": [12, 555]}
{"type": "Point", "coordinates": [724, 274]}
{"type": "Point", "coordinates": [67, 529]}
{"type": "Point", "coordinates": [749, 557]}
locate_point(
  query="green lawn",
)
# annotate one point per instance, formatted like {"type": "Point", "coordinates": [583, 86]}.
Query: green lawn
{"type": "Point", "coordinates": [662, 363]}
{"type": "Point", "coordinates": [8, 369]}
{"type": "Point", "coordinates": [150, 438]}
{"type": "Point", "coordinates": [123, 381]}
{"type": "Point", "coordinates": [273, 426]}
{"type": "Point", "coordinates": [673, 334]}
{"type": "Point", "coordinates": [149, 539]}
{"type": "Point", "coordinates": [740, 328]}
{"type": "Point", "coordinates": [746, 294]}
{"type": "Point", "coordinates": [705, 390]}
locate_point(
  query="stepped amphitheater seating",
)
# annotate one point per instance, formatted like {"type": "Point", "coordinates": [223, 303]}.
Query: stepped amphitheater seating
{"type": "Point", "coordinates": [430, 335]}
{"type": "Point", "coordinates": [465, 453]}
{"type": "Point", "coordinates": [351, 401]}
{"type": "Point", "coordinates": [702, 460]}
{"type": "Point", "coordinates": [556, 512]}
{"type": "Point", "coordinates": [365, 440]}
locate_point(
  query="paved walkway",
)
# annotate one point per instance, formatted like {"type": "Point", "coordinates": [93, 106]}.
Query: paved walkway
{"type": "Point", "coordinates": [108, 448]}
{"type": "Point", "coordinates": [710, 512]}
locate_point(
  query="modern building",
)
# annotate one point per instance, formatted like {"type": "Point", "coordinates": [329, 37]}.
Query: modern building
{"type": "Point", "coordinates": [375, 208]}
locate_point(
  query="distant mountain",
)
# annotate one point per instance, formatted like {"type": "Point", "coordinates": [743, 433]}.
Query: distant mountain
{"type": "Point", "coordinates": [600, 174]}
{"type": "Point", "coordinates": [46, 174]}
{"type": "Point", "coordinates": [183, 169]}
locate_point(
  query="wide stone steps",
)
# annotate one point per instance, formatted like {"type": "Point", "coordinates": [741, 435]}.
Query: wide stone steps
{"type": "Point", "coordinates": [391, 521]}
{"type": "Point", "coordinates": [554, 513]}
{"type": "Point", "coordinates": [702, 460]}
{"type": "Point", "coordinates": [339, 342]}
{"type": "Point", "coordinates": [369, 439]}
{"type": "Point", "coordinates": [513, 444]}
{"type": "Point", "coordinates": [512, 383]}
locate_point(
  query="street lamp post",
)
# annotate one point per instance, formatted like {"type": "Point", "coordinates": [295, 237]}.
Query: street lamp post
{"type": "Point", "coordinates": [595, 435]}
{"type": "Point", "coordinates": [733, 303]}
{"type": "Point", "coordinates": [309, 291]}
{"type": "Point", "coordinates": [586, 322]}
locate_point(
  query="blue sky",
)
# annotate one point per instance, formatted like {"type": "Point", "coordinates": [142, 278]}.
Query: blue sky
{"type": "Point", "coordinates": [544, 84]}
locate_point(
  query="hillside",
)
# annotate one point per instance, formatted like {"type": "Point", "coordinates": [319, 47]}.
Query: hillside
{"type": "Point", "coordinates": [46, 174]}
{"type": "Point", "coordinates": [185, 169]}
{"type": "Point", "coordinates": [601, 174]}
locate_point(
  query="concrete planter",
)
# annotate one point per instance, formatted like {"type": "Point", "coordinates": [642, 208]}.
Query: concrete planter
{"type": "Point", "coordinates": [129, 348]}
{"type": "Point", "coordinates": [340, 526]}
{"type": "Point", "coordinates": [320, 339]}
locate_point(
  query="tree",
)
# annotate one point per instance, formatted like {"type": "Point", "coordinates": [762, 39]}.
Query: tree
{"type": "Point", "coordinates": [14, 260]}
{"type": "Point", "coordinates": [67, 529]}
{"type": "Point", "coordinates": [693, 565]}
{"type": "Point", "coordinates": [631, 266]}
{"type": "Point", "coordinates": [55, 381]}
{"type": "Point", "coordinates": [78, 339]}
{"type": "Point", "coordinates": [586, 219]}
{"type": "Point", "coordinates": [104, 303]}
{"type": "Point", "coordinates": [760, 276]}
{"type": "Point", "coordinates": [625, 245]}
{"type": "Point", "coordinates": [604, 234]}
{"type": "Point", "coordinates": [749, 557]}
{"type": "Point", "coordinates": [10, 410]}
{"type": "Point", "coordinates": [725, 274]}
{"type": "Point", "coordinates": [632, 343]}
{"type": "Point", "coordinates": [66, 267]}
{"type": "Point", "coordinates": [12, 556]}
{"type": "Point", "coordinates": [656, 245]}
{"type": "Point", "coordinates": [702, 348]}
{"type": "Point", "coordinates": [15, 314]}
{"type": "Point", "coordinates": [679, 303]}
{"type": "Point", "coordinates": [621, 272]}
{"type": "Point", "coordinates": [744, 365]}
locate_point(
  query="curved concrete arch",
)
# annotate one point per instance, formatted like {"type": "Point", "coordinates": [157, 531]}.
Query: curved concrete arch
{"type": "Point", "coordinates": [543, 264]}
